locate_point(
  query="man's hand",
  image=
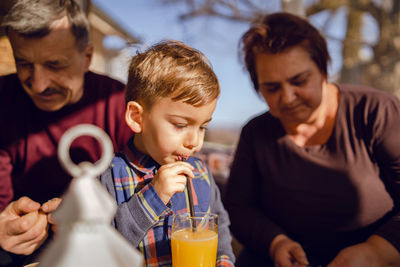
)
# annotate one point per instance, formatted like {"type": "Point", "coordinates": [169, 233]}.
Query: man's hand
{"type": "Point", "coordinates": [375, 252]}
{"type": "Point", "coordinates": [286, 253]}
{"type": "Point", "coordinates": [48, 208]}
{"type": "Point", "coordinates": [23, 226]}
{"type": "Point", "coordinates": [170, 179]}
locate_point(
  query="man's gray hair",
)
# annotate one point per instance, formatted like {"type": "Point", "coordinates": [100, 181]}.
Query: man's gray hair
{"type": "Point", "coordinates": [32, 19]}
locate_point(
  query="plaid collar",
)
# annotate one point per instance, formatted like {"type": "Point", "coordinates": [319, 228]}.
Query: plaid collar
{"type": "Point", "coordinates": [139, 160]}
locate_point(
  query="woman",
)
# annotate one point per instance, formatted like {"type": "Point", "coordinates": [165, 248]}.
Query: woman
{"type": "Point", "coordinates": [316, 179]}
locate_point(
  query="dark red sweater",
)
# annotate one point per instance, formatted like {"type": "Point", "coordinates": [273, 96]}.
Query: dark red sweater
{"type": "Point", "coordinates": [28, 140]}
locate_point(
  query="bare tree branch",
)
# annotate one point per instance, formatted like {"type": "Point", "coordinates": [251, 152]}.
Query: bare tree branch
{"type": "Point", "coordinates": [383, 71]}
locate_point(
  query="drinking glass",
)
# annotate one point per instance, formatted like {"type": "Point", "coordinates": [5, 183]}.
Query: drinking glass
{"type": "Point", "coordinates": [194, 240]}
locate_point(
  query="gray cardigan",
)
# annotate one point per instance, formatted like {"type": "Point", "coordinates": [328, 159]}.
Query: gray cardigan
{"type": "Point", "coordinates": [133, 223]}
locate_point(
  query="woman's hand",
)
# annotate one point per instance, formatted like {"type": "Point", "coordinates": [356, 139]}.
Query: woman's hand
{"type": "Point", "coordinates": [375, 252]}
{"type": "Point", "coordinates": [170, 179]}
{"type": "Point", "coordinates": [286, 253]}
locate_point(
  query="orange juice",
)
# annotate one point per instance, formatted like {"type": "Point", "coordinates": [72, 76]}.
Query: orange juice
{"type": "Point", "coordinates": [194, 249]}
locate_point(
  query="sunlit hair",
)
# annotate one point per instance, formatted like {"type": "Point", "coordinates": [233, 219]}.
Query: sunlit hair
{"type": "Point", "coordinates": [171, 69]}
{"type": "Point", "coordinates": [33, 18]}
{"type": "Point", "coordinates": [278, 32]}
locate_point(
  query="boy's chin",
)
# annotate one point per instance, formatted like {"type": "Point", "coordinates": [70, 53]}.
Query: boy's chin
{"type": "Point", "coordinates": [171, 159]}
{"type": "Point", "coordinates": [166, 161]}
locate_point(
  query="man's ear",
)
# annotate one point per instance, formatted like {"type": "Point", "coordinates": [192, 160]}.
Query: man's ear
{"type": "Point", "coordinates": [133, 116]}
{"type": "Point", "coordinates": [88, 53]}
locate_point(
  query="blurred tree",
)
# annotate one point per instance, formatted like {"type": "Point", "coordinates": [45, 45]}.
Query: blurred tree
{"type": "Point", "coordinates": [374, 63]}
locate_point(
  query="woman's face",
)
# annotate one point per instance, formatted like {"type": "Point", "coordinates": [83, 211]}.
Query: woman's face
{"type": "Point", "coordinates": [291, 84]}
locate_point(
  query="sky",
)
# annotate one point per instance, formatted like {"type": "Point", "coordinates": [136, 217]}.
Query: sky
{"type": "Point", "coordinates": [218, 39]}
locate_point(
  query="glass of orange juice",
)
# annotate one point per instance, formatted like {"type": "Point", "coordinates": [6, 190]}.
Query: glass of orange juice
{"type": "Point", "coordinates": [194, 240]}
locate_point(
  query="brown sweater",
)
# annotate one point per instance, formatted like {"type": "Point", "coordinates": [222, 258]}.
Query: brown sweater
{"type": "Point", "coordinates": [325, 197]}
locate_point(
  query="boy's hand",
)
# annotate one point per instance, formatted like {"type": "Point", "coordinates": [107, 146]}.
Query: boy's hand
{"type": "Point", "coordinates": [170, 179]}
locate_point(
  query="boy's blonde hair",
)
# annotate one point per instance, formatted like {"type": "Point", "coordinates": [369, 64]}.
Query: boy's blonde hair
{"type": "Point", "coordinates": [171, 69]}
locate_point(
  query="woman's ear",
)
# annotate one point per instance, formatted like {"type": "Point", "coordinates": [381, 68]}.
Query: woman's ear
{"type": "Point", "coordinates": [133, 116]}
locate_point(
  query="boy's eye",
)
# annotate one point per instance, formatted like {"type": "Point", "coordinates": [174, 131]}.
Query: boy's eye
{"type": "Point", "coordinates": [180, 125]}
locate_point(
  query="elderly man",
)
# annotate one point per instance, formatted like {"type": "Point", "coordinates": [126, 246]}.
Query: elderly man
{"type": "Point", "coordinates": [51, 92]}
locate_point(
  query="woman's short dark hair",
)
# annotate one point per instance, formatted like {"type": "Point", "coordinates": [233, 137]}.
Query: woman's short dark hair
{"type": "Point", "coordinates": [277, 32]}
{"type": "Point", "coordinates": [32, 19]}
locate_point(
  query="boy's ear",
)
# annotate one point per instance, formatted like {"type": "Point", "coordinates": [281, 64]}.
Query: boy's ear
{"type": "Point", "coordinates": [133, 116]}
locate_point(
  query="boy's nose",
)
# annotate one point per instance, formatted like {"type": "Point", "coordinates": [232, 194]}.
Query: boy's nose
{"type": "Point", "coordinates": [192, 140]}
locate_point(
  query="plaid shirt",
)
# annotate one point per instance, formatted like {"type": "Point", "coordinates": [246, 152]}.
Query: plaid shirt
{"type": "Point", "coordinates": [132, 174]}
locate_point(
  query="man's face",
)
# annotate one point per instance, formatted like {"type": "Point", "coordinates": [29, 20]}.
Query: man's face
{"type": "Point", "coordinates": [51, 68]}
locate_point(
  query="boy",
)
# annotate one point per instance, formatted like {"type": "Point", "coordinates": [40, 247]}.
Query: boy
{"type": "Point", "coordinates": [170, 97]}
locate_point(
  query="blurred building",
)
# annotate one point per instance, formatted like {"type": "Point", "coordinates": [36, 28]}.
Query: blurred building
{"type": "Point", "coordinates": [218, 158]}
{"type": "Point", "coordinates": [106, 59]}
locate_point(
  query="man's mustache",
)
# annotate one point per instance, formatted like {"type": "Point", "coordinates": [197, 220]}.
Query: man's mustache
{"type": "Point", "coordinates": [50, 91]}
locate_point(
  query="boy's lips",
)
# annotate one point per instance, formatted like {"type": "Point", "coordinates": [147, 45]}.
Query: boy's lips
{"type": "Point", "coordinates": [182, 158]}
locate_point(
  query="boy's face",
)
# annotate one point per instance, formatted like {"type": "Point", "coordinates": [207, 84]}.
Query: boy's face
{"type": "Point", "coordinates": [171, 130]}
